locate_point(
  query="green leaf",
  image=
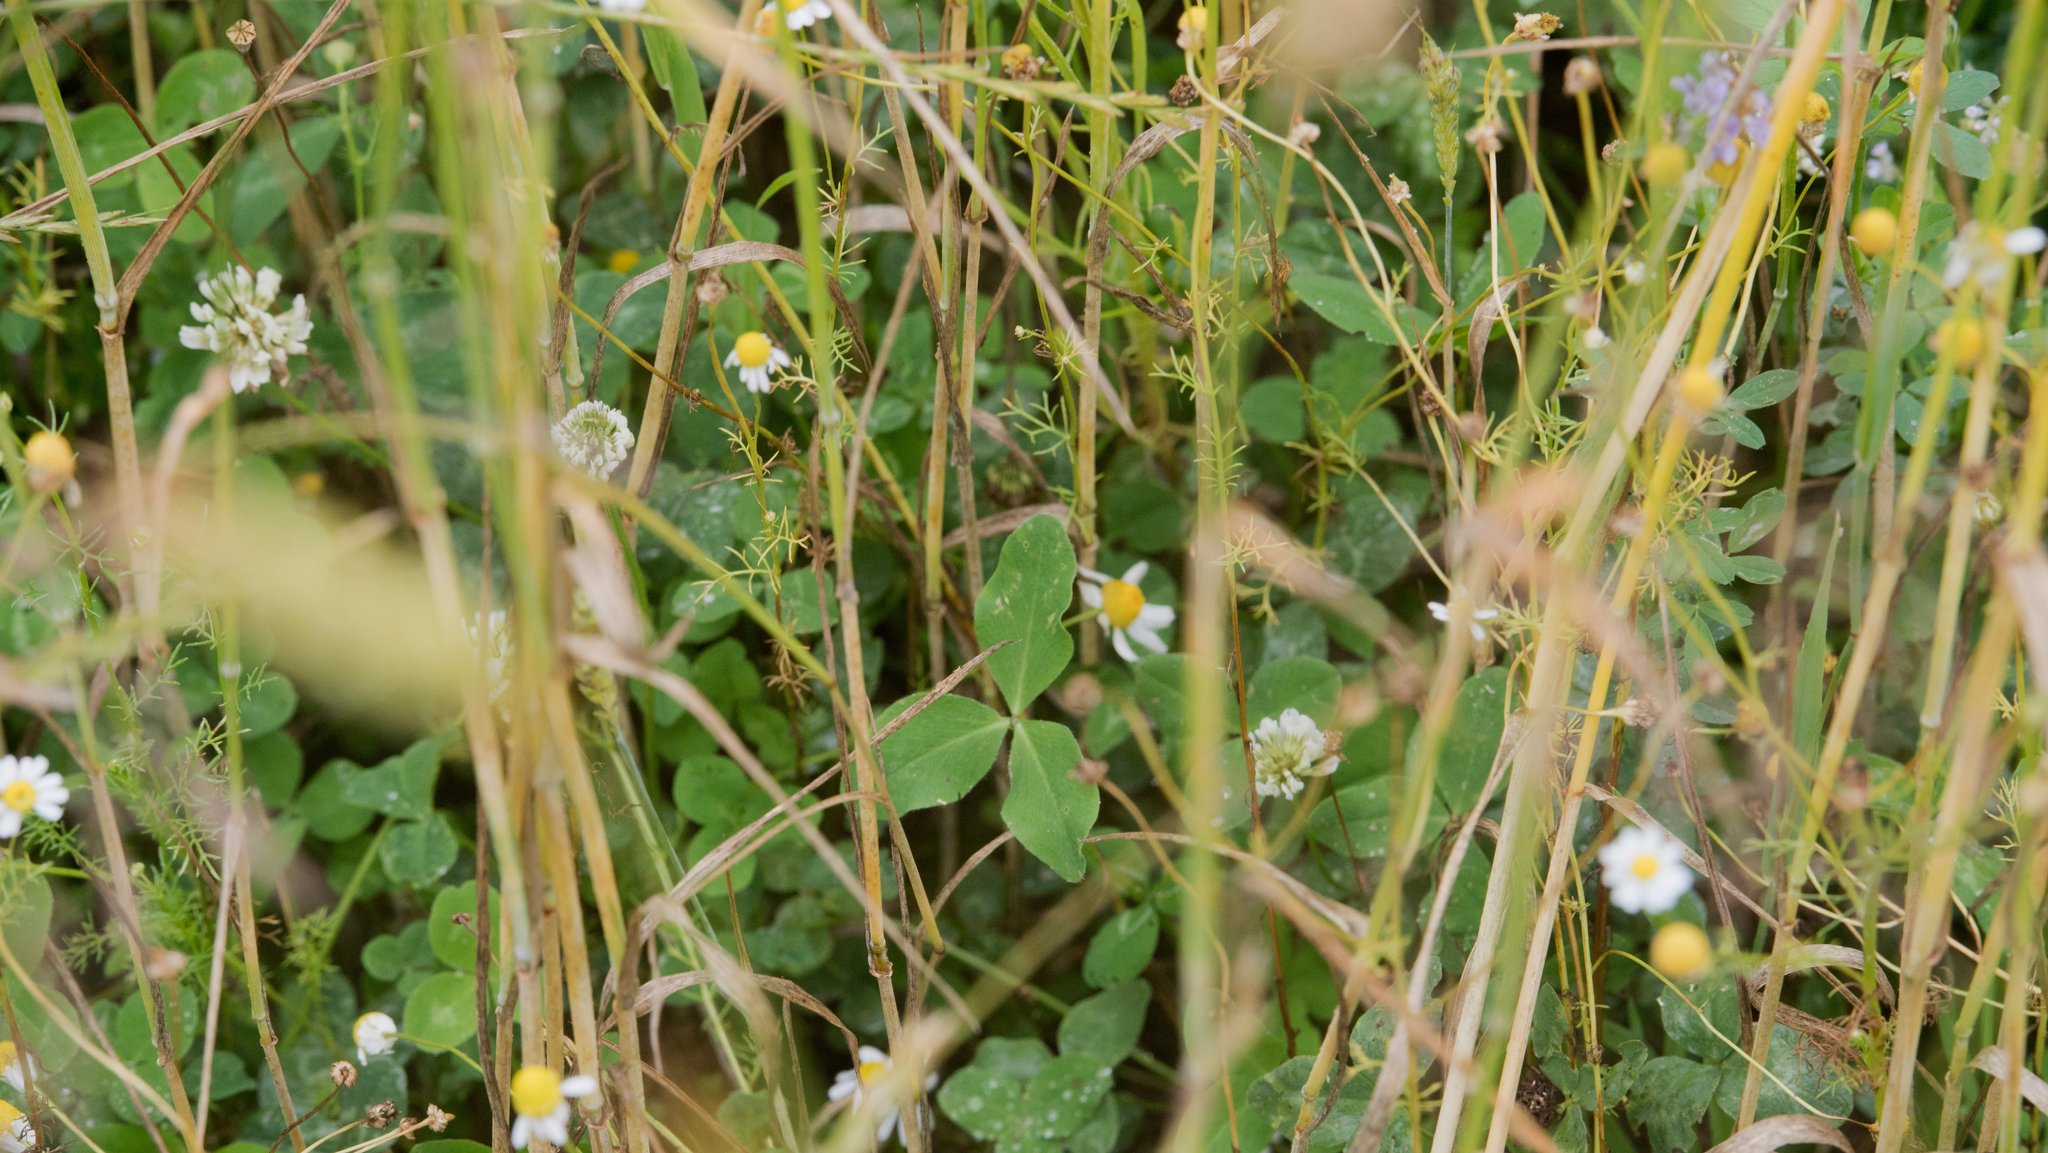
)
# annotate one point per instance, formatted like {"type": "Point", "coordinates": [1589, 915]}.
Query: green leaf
{"type": "Point", "coordinates": [1160, 684]}
{"type": "Point", "coordinates": [442, 1010]}
{"type": "Point", "coordinates": [106, 136]}
{"type": "Point", "coordinates": [1522, 229]}
{"type": "Point", "coordinates": [455, 944]}
{"type": "Point", "coordinates": [1024, 602]}
{"type": "Point", "coordinates": [1757, 519]}
{"type": "Point", "coordinates": [1342, 301]}
{"type": "Point", "coordinates": [1810, 674]}
{"type": "Point", "coordinates": [25, 908]}
{"type": "Point", "coordinates": [1806, 1072]}
{"type": "Point", "coordinates": [676, 72]}
{"type": "Point", "coordinates": [1959, 149]}
{"type": "Point", "coordinates": [1106, 1026]}
{"type": "Point", "coordinates": [1966, 86]}
{"type": "Point", "coordinates": [941, 753]}
{"type": "Point", "coordinates": [1359, 820]}
{"type": "Point", "coordinates": [400, 786]}
{"type": "Point", "coordinates": [1303, 683]}
{"type": "Point", "coordinates": [1272, 410]}
{"type": "Point", "coordinates": [324, 802]}
{"type": "Point", "coordinates": [1757, 570]}
{"type": "Point", "coordinates": [266, 182]}
{"type": "Point", "coordinates": [1692, 1026]}
{"type": "Point", "coordinates": [1764, 389]}
{"type": "Point", "coordinates": [1122, 947]}
{"type": "Point", "coordinates": [1728, 422]}
{"type": "Point", "coordinates": [267, 700]}
{"type": "Point", "coordinates": [415, 854]}
{"type": "Point", "coordinates": [200, 87]}
{"type": "Point", "coordinates": [1478, 719]}
{"type": "Point", "coordinates": [1048, 809]}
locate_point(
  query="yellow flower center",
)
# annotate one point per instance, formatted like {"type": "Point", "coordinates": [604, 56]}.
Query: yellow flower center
{"type": "Point", "coordinates": [19, 796]}
{"type": "Point", "coordinates": [8, 1115]}
{"type": "Point", "coordinates": [7, 1054]}
{"type": "Point", "coordinates": [536, 1091]}
{"type": "Point", "coordinates": [1645, 866]}
{"type": "Point", "coordinates": [871, 1071]}
{"type": "Point", "coordinates": [1122, 603]}
{"type": "Point", "coordinates": [752, 347]}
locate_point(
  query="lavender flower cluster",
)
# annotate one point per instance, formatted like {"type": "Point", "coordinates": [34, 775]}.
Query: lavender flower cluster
{"type": "Point", "coordinates": [1727, 121]}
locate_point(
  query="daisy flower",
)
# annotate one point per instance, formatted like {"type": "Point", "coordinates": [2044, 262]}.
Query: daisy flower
{"type": "Point", "coordinates": [1289, 749]}
{"type": "Point", "coordinates": [28, 786]}
{"type": "Point", "coordinates": [16, 1134]}
{"type": "Point", "coordinates": [801, 14]}
{"type": "Point", "coordinates": [376, 1034]}
{"type": "Point", "coordinates": [594, 437]}
{"type": "Point", "coordinates": [852, 1085]}
{"type": "Point", "coordinates": [1983, 253]}
{"type": "Point", "coordinates": [1120, 608]}
{"type": "Point", "coordinates": [758, 360]}
{"type": "Point", "coordinates": [235, 320]}
{"type": "Point", "coordinates": [540, 1104]}
{"type": "Point", "coordinates": [16, 1067]}
{"type": "Point", "coordinates": [1644, 871]}
{"type": "Point", "coordinates": [1442, 612]}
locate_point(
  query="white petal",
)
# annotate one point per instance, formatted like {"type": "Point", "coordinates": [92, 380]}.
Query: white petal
{"type": "Point", "coordinates": [1146, 637]}
{"type": "Point", "coordinates": [1439, 611]}
{"type": "Point", "coordinates": [1097, 577]}
{"type": "Point", "coordinates": [1136, 573]}
{"type": "Point", "coordinates": [2025, 241]}
{"type": "Point", "coordinates": [869, 1055]}
{"type": "Point", "coordinates": [1117, 640]}
{"type": "Point", "coordinates": [10, 822]}
{"type": "Point", "coordinates": [1091, 595]}
{"type": "Point", "coordinates": [1155, 616]}
{"type": "Point", "coordinates": [732, 359]}
{"type": "Point", "coordinates": [521, 1130]}
{"type": "Point", "coordinates": [578, 1087]}
{"type": "Point", "coordinates": [843, 1086]}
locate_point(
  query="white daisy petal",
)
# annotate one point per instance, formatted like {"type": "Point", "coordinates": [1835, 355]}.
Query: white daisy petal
{"type": "Point", "coordinates": [1136, 573]}
{"type": "Point", "coordinates": [1118, 640]}
{"type": "Point", "coordinates": [1091, 595]}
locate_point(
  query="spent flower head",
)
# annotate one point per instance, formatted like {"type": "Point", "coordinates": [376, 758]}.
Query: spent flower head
{"type": "Point", "coordinates": [594, 437]}
{"type": "Point", "coordinates": [236, 321]}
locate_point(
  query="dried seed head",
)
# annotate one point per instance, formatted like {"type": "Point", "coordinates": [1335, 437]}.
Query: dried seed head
{"type": "Point", "coordinates": [711, 291]}
{"type": "Point", "coordinates": [1184, 92]}
{"type": "Point", "coordinates": [242, 34]}
{"type": "Point", "coordinates": [1637, 713]}
{"type": "Point", "coordinates": [437, 1118]}
{"type": "Point", "coordinates": [1305, 133]}
{"type": "Point", "coordinates": [1021, 63]}
{"type": "Point", "coordinates": [1581, 76]}
{"type": "Point", "coordinates": [342, 1074]}
{"type": "Point", "coordinates": [1484, 137]}
{"type": "Point", "coordinates": [1537, 26]}
{"type": "Point", "coordinates": [165, 964]}
{"type": "Point", "coordinates": [380, 1115]}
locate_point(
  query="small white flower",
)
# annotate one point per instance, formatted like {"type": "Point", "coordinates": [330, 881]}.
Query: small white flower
{"type": "Point", "coordinates": [28, 786]}
{"type": "Point", "coordinates": [1984, 254]}
{"type": "Point", "coordinates": [852, 1085]}
{"type": "Point", "coordinates": [1120, 608]}
{"type": "Point", "coordinates": [16, 1134]}
{"type": "Point", "coordinates": [1287, 750]}
{"type": "Point", "coordinates": [16, 1067]}
{"type": "Point", "coordinates": [376, 1035]}
{"type": "Point", "coordinates": [540, 1104]}
{"type": "Point", "coordinates": [236, 321]}
{"type": "Point", "coordinates": [1442, 612]}
{"type": "Point", "coordinates": [594, 437]}
{"type": "Point", "coordinates": [1986, 509]}
{"type": "Point", "coordinates": [801, 14]}
{"type": "Point", "coordinates": [1644, 871]}
{"type": "Point", "coordinates": [1304, 133]}
{"type": "Point", "coordinates": [1595, 338]}
{"type": "Point", "coordinates": [1398, 192]}
{"type": "Point", "coordinates": [758, 359]}
{"type": "Point", "coordinates": [1880, 167]}
{"type": "Point", "coordinates": [1633, 270]}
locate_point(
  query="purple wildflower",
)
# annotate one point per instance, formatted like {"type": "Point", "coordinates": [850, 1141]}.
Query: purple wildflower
{"type": "Point", "coordinates": [1728, 120]}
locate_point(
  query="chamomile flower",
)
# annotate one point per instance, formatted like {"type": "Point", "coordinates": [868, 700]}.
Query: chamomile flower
{"type": "Point", "coordinates": [1120, 607]}
{"type": "Point", "coordinates": [540, 1104]}
{"type": "Point", "coordinates": [16, 1134]}
{"type": "Point", "coordinates": [758, 359]}
{"type": "Point", "coordinates": [801, 14]}
{"type": "Point", "coordinates": [1984, 254]}
{"type": "Point", "coordinates": [1644, 871]}
{"type": "Point", "coordinates": [594, 437]}
{"type": "Point", "coordinates": [1442, 612]}
{"type": "Point", "coordinates": [28, 786]}
{"type": "Point", "coordinates": [1287, 750]}
{"type": "Point", "coordinates": [15, 1067]}
{"type": "Point", "coordinates": [851, 1085]}
{"type": "Point", "coordinates": [376, 1034]}
{"type": "Point", "coordinates": [235, 320]}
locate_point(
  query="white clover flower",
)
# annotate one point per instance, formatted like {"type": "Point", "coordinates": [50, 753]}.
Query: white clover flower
{"type": "Point", "coordinates": [1881, 167]}
{"type": "Point", "coordinates": [376, 1034]}
{"type": "Point", "coordinates": [594, 437]}
{"type": "Point", "coordinates": [16, 1067]}
{"type": "Point", "coordinates": [758, 360]}
{"type": "Point", "coordinates": [236, 321]}
{"type": "Point", "coordinates": [1984, 254]}
{"type": "Point", "coordinates": [28, 786]}
{"type": "Point", "coordinates": [16, 1134]}
{"type": "Point", "coordinates": [540, 1104]}
{"type": "Point", "coordinates": [1442, 612]}
{"type": "Point", "coordinates": [852, 1085]}
{"type": "Point", "coordinates": [1644, 871]}
{"type": "Point", "coordinates": [1287, 750]}
{"type": "Point", "coordinates": [801, 14]}
{"type": "Point", "coordinates": [1120, 607]}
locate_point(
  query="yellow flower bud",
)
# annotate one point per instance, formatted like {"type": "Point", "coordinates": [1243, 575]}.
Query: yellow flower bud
{"type": "Point", "coordinates": [1665, 164]}
{"type": "Point", "coordinates": [1699, 389]}
{"type": "Point", "coordinates": [1961, 338]}
{"type": "Point", "coordinates": [1681, 951]}
{"type": "Point", "coordinates": [1874, 230]}
{"type": "Point", "coordinates": [622, 261]}
{"type": "Point", "coordinates": [51, 463]}
{"type": "Point", "coordinates": [1815, 110]}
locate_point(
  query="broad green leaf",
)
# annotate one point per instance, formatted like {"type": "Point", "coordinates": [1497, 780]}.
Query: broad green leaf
{"type": "Point", "coordinates": [442, 1010]}
{"type": "Point", "coordinates": [1160, 684]}
{"type": "Point", "coordinates": [1746, 432]}
{"type": "Point", "coordinates": [1478, 718]}
{"type": "Point", "coordinates": [1106, 1026]}
{"type": "Point", "coordinates": [1764, 389]}
{"type": "Point", "coordinates": [1342, 301]}
{"type": "Point", "coordinates": [200, 87]}
{"type": "Point", "coordinates": [941, 753]}
{"type": "Point", "coordinates": [267, 701]}
{"type": "Point", "coordinates": [106, 136]}
{"type": "Point", "coordinates": [453, 943]}
{"type": "Point", "coordinates": [1757, 519]}
{"type": "Point", "coordinates": [266, 182]}
{"type": "Point", "coordinates": [1521, 240]}
{"type": "Point", "coordinates": [1048, 809]}
{"type": "Point", "coordinates": [676, 72]}
{"type": "Point", "coordinates": [1692, 1026]}
{"type": "Point", "coordinates": [1966, 86]}
{"type": "Point", "coordinates": [275, 766]}
{"type": "Point", "coordinates": [1958, 148]}
{"type": "Point", "coordinates": [1359, 820]}
{"type": "Point", "coordinates": [1024, 602]}
{"type": "Point", "coordinates": [1808, 1075]}
{"type": "Point", "coordinates": [1122, 948]}
{"type": "Point", "coordinates": [417, 853]}
{"type": "Point", "coordinates": [330, 814]}
{"type": "Point", "coordinates": [1671, 1094]}
{"type": "Point", "coordinates": [1303, 683]}
{"type": "Point", "coordinates": [400, 786]}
